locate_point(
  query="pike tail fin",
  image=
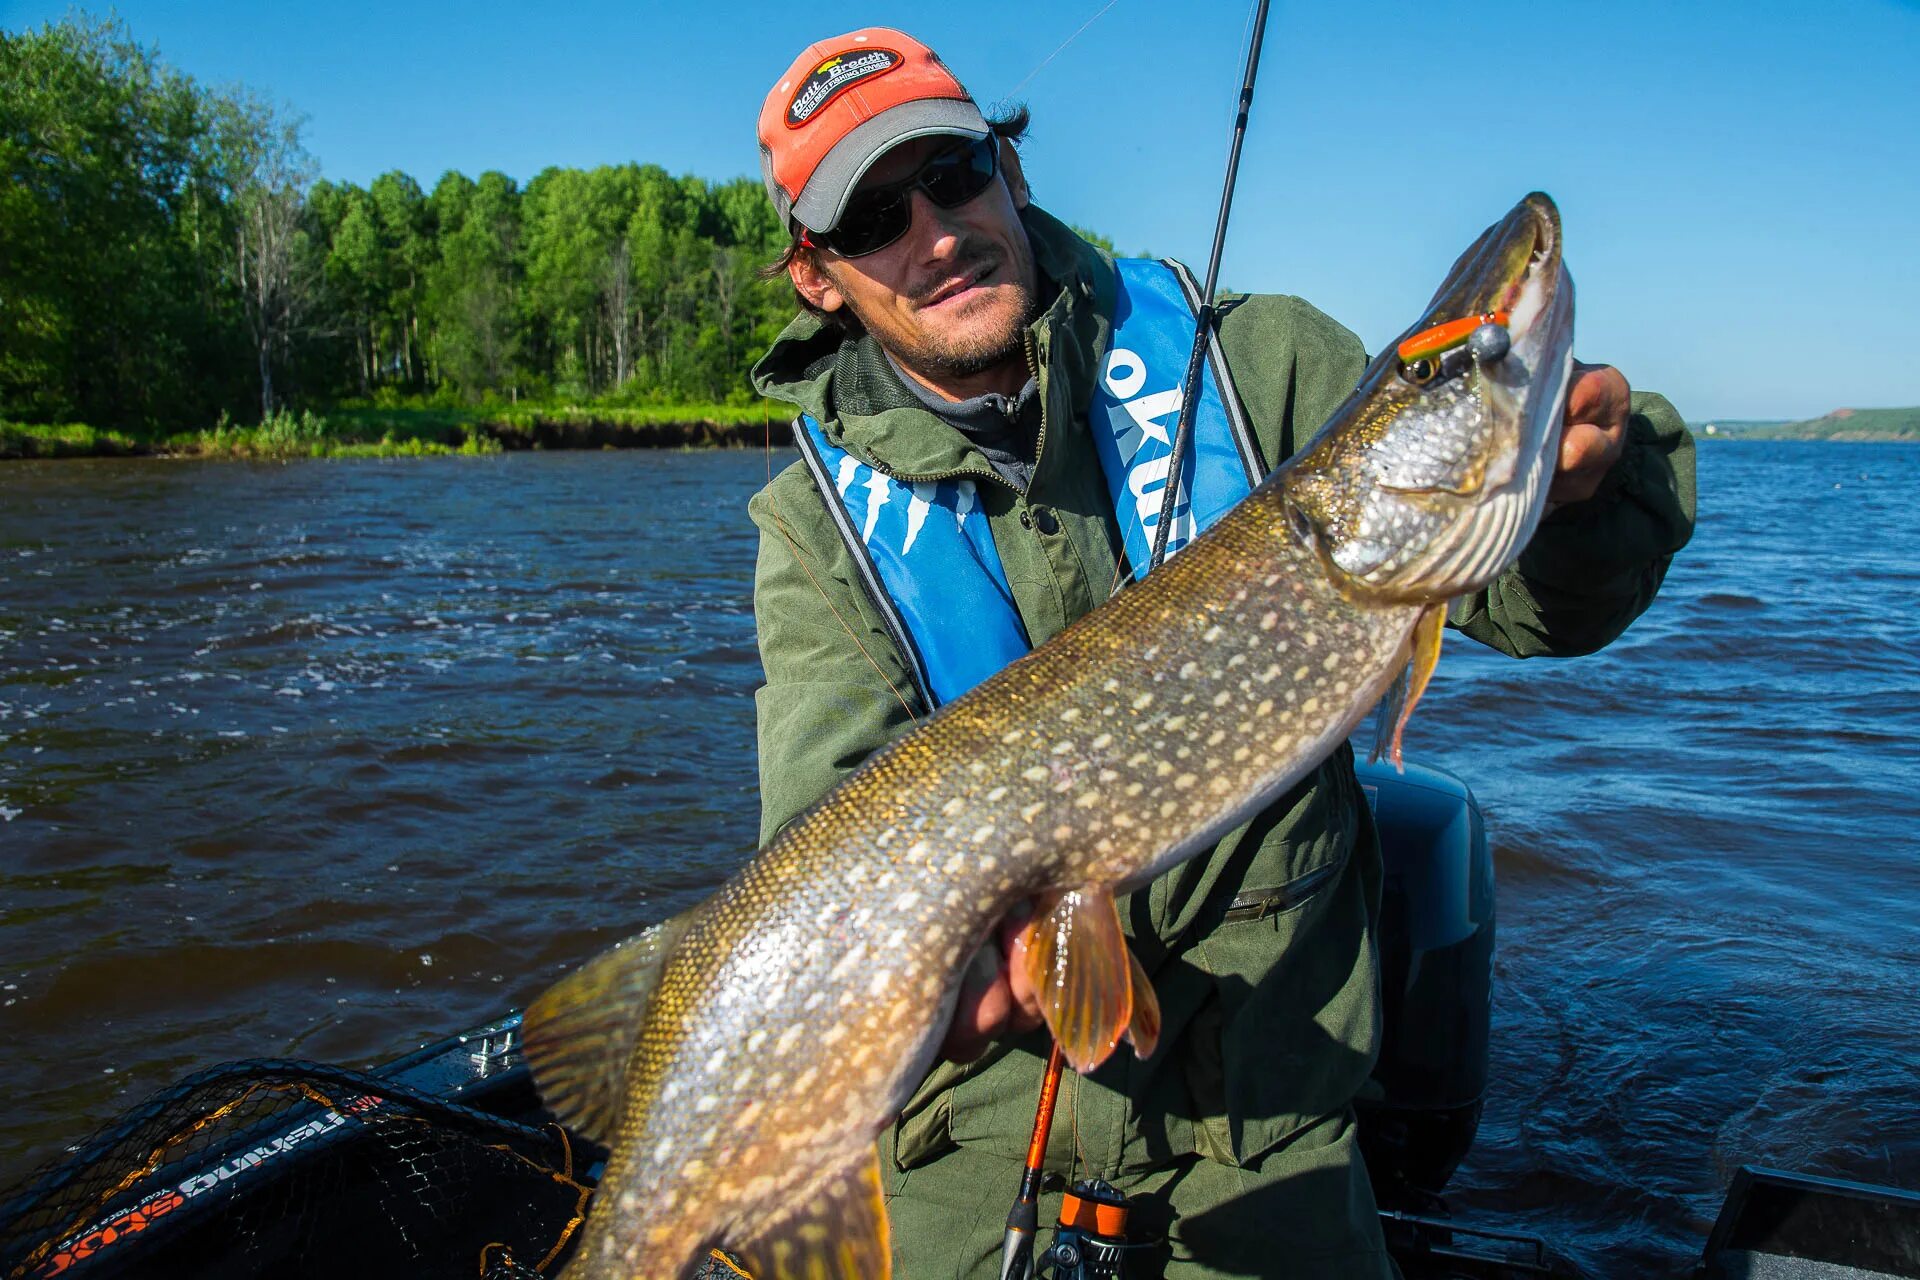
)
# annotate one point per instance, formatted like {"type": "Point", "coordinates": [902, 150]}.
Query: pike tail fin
{"type": "Point", "coordinates": [1092, 989]}
{"type": "Point", "coordinates": [581, 1032]}
{"type": "Point", "coordinates": [835, 1231]}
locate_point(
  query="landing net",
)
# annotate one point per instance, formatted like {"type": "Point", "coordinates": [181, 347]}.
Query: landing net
{"type": "Point", "coordinates": [294, 1169]}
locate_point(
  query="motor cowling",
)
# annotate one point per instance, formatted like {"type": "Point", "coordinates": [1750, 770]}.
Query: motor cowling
{"type": "Point", "coordinates": [1421, 1108]}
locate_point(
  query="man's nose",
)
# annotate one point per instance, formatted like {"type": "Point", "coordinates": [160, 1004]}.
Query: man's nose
{"type": "Point", "coordinates": [934, 233]}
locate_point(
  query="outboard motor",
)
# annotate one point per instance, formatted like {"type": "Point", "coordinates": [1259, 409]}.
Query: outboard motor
{"type": "Point", "coordinates": [1419, 1112]}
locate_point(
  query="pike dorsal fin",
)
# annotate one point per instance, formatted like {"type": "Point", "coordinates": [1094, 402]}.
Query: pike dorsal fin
{"type": "Point", "coordinates": [837, 1231]}
{"type": "Point", "coordinates": [581, 1032]}
{"type": "Point", "coordinates": [1092, 990]}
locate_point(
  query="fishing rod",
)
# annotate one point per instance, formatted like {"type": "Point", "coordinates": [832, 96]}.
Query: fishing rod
{"type": "Point", "coordinates": [1208, 315]}
{"type": "Point", "coordinates": [1023, 1219]}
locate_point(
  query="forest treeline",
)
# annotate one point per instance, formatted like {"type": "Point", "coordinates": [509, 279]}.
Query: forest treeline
{"type": "Point", "coordinates": [168, 257]}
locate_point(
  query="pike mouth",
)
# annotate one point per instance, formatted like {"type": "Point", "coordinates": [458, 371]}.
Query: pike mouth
{"type": "Point", "coordinates": [1527, 297]}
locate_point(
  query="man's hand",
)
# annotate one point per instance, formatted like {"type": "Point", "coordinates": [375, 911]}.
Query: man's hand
{"type": "Point", "coordinates": [996, 999]}
{"type": "Point", "coordinates": [1592, 434]}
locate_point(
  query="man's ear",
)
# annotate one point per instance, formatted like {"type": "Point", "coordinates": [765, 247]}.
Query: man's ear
{"type": "Point", "coordinates": [1016, 177]}
{"type": "Point", "coordinates": [812, 283]}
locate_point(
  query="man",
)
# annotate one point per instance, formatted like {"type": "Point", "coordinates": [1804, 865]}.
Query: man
{"type": "Point", "coordinates": [953, 331]}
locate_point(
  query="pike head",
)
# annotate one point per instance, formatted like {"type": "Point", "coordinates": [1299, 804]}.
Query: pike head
{"type": "Point", "coordinates": [1429, 480]}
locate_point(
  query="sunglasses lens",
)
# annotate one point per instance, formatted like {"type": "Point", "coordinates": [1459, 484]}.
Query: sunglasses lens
{"type": "Point", "coordinates": [959, 176]}
{"type": "Point", "coordinates": [870, 224]}
{"type": "Point", "coordinates": [951, 179]}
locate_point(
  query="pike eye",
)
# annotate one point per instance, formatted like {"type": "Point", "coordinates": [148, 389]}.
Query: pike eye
{"type": "Point", "coordinates": [1302, 525]}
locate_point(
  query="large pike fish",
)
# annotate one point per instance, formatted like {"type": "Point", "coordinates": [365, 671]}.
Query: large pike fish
{"type": "Point", "coordinates": [741, 1059]}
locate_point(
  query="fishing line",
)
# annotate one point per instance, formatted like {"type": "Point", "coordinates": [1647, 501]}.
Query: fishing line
{"type": "Point", "coordinates": [1015, 91]}
{"type": "Point", "coordinates": [1246, 29]}
{"type": "Point", "coordinates": [1251, 33]}
{"type": "Point", "coordinates": [1207, 317]}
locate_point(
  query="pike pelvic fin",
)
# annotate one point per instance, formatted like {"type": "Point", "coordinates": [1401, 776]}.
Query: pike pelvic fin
{"type": "Point", "coordinates": [1400, 701]}
{"type": "Point", "coordinates": [580, 1034]}
{"type": "Point", "coordinates": [837, 1232]}
{"type": "Point", "coordinates": [1092, 990]}
{"type": "Point", "coordinates": [1143, 1027]}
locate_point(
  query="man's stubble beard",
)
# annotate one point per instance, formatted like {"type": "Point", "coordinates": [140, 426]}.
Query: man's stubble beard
{"type": "Point", "coordinates": [970, 354]}
{"type": "Point", "coordinates": [967, 355]}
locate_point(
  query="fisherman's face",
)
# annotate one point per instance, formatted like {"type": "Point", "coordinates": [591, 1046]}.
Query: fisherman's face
{"type": "Point", "coordinates": [951, 298]}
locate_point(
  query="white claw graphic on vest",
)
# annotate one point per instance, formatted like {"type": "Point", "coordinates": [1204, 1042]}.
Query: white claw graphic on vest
{"type": "Point", "coordinates": [849, 468]}
{"type": "Point", "coordinates": [963, 504]}
{"type": "Point", "coordinates": [917, 505]}
{"type": "Point", "coordinates": [877, 487]}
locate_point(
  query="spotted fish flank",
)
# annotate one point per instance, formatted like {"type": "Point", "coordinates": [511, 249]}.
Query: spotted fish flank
{"type": "Point", "coordinates": [807, 997]}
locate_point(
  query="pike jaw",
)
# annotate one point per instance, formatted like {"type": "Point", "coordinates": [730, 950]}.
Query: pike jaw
{"type": "Point", "coordinates": [1437, 484]}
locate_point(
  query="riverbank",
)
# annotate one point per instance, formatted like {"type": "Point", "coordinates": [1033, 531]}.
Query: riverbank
{"type": "Point", "coordinates": [369, 432]}
{"type": "Point", "coordinates": [1881, 426]}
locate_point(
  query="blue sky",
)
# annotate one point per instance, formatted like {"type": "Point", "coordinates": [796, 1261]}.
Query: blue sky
{"type": "Point", "coordinates": [1740, 182]}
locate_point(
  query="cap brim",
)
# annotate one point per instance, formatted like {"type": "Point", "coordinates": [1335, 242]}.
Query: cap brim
{"type": "Point", "coordinates": [825, 196]}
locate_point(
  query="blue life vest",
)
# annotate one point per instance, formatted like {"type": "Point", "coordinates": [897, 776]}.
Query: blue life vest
{"type": "Point", "coordinates": [924, 551]}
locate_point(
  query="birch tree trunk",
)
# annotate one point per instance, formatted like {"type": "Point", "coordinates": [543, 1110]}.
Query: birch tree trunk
{"type": "Point", "coordinates": [278, 281]}
{"type": "Point", "coordinates": [616, 308]}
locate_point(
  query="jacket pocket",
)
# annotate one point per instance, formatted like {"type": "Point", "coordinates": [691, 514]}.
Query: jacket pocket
{"type": "Point", "coordinates": [1258, 904]}
{"type": "Point", "coordinates": [1294, 1012]}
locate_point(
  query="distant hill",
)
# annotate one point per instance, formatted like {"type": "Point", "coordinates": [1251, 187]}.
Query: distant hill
{"type": "Point", "coordinates": [1841, 424]}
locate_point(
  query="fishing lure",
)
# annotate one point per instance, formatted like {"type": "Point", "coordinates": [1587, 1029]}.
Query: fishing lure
{"type": "Point", "coordinates": [1423, 356]}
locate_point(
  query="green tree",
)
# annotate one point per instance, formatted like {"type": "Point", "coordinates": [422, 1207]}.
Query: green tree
{"type": "Point", "coordinates": [112, 311]}
{"type": "Point", "coordinates": [472, 290]}
{"type": "Point", "coordinates": [406, 239]}
{"type": "Point", "coordinates": [355, 265]}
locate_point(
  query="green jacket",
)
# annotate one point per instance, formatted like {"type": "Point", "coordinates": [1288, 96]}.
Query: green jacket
{"type": "Point", "coordinates": [1263, 1036]}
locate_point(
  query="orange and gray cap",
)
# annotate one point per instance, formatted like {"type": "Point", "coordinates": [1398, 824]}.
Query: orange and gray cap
{"type": "Point", "coordinates": [841, 105]}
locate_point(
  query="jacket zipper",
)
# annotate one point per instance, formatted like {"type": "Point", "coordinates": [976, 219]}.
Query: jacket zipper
{"type": "Point", "coordinates": [970, 473]}
{"type": "Point", "coordinates": [1040, 441]}
{"type": "Point", "coordinates": [1033, 371]}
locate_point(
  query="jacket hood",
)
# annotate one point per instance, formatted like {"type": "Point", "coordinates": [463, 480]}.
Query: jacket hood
{"type": "Point", "coordinates": [847, 385]}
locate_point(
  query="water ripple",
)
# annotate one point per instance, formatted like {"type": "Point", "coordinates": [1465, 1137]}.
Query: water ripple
{"type": "Point", "coordinates": [330, 758]}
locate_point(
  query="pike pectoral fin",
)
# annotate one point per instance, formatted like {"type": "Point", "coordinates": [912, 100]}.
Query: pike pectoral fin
{"type": "Point", "coordinates": [581, 1032]}
{"type": "Point", "coordinates": [1397, 708]}
{"type": "Point", "coordinates": [1091, 988]}
{"type": "Point", "coordinates": [838, 1231]}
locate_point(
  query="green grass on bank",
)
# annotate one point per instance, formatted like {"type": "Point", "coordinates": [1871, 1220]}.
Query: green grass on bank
{"type": "Point", "coordinates": [64, 440]}
{"type": "Point", "coordinates": [412, 431]}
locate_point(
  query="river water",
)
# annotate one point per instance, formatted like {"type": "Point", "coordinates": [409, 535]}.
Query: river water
{"type": "Point", "coordinates": [324, 759]}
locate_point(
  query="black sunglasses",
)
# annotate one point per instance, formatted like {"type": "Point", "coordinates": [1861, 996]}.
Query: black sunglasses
{"type": "Point", "coordinates": [875, 218]}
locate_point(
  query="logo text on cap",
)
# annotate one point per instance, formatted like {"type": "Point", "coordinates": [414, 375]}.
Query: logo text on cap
{"type": "Point", "coordinates": [840, 72]}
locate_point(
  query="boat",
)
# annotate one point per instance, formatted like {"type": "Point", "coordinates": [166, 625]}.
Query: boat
{"type": "Point", "coordinates": [442, 1162]}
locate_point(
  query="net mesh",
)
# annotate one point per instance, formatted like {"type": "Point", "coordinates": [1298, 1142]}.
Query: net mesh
{"type": "Point", "coordinates": [294, 1169]}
